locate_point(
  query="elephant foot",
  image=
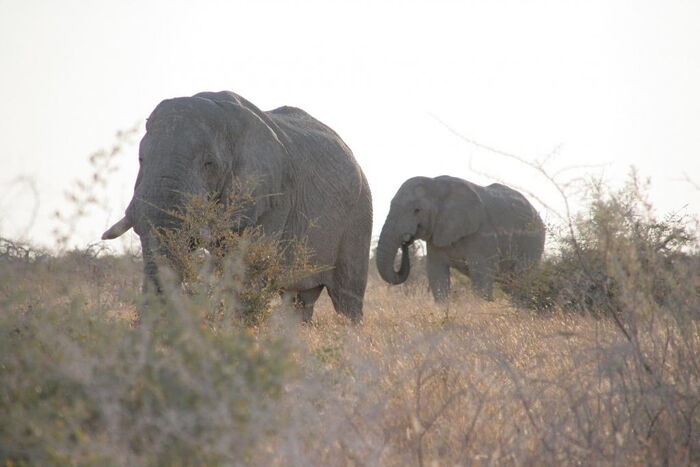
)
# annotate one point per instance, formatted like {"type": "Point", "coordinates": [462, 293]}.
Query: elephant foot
{"type": "Point", "coordinates": [303, 302]}
{"type": "Point", "coordinates": [304, 313]}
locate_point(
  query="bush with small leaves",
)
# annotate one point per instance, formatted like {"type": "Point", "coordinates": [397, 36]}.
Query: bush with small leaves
{"type": "Point", "coordinates": [618, 257]}
{"type": "Point", "coordinates": [78, 386]}
{"type": "Point", "coordinates": [238, 270]}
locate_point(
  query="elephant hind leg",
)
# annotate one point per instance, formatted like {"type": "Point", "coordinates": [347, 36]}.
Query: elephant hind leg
{"type": "Point", "coordinates": [348, 286]}
{"type": "Point", "coordinates": [482, 280]}
{"type": "Point", "coordinates": [347, 290]}
{"type": "Point", "coordinates": [347, 301]}
{"type": "Point", "coordinates": [508, 273]}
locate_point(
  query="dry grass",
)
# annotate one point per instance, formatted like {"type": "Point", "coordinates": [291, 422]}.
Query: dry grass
{"type": "Point", "coordinates": [415, 384]}
{"type": "Point", "coordinates": [609, 374]}
{"type": "Point", "coordinates": [490, 384]}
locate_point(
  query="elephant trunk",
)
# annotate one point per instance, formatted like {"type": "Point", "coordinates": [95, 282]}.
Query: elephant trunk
{"type": "Point", "coordinates": [389, 243]}
{"type": "Point", "coordinates": [150, 250]}
{"type": "Point", "coordinates": [151, 211]}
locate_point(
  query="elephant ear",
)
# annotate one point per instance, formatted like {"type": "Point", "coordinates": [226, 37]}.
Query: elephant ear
{"type": "Point", "coordinates": [461, 213]}
{"type": "Point", "coordinates": [263, 162]}
{"type": "Point", "coordinates": [260, 158]}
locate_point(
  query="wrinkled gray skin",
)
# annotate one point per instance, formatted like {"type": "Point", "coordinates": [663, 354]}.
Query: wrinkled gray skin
{"type": "Point", "coordinates": [483, 232]}
{"type": "Point", "coordinates": [308, 185]}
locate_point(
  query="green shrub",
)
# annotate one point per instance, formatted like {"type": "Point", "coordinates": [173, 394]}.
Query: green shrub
{"type": "Point", "coordinates": [79, 387]}
{"type": "Point", "coordinates": [239, 270]}
{"type": "Point", "coordinates": [617, 255]}
{"type": "Point", "coordinates": [81, 383]}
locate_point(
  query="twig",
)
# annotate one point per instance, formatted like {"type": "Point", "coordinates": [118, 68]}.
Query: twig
{"type": "Point", "coordinates": [567, 217]}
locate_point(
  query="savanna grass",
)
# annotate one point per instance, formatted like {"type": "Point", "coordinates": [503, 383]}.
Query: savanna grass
{"type": "Point", "coordinates": [81, 384]}
{"type": "Point", "coordinates": [609, 374]}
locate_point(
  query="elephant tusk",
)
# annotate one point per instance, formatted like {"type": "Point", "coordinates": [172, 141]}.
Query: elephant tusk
{"type": "Point", "coordinates": [117, 229]}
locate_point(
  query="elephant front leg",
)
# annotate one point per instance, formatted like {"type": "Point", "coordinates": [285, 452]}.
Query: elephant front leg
{"type": "Point", "coordinates": [438, 274]}
{"type": "Point", "coordinates": [304, 302]}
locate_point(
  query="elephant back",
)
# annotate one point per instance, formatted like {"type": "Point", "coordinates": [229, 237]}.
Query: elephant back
{"type": "Point", "coordinates": [326, 183]}
{"type": "Point", "coordinates": [320, 159]}
{"type": "Point", "coordinates": [509, 210]}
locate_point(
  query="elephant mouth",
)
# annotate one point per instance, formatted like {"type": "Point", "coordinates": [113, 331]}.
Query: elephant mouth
{"type": "Point", "coordinates": [407, 239]}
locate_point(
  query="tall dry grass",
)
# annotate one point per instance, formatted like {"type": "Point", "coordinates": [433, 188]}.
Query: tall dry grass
{"type": "Point", "coordinates": [601, 367]}
{"type": "Point", "coordinates": [491, 384]}
{"type": "Point", "coordinates": [416, 384]}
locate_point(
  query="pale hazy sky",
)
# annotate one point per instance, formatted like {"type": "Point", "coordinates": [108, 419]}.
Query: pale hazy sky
{"type": "Point", "coordinates": [606, 82]}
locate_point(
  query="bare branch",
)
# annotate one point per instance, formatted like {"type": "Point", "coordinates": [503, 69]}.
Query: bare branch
{"type": "Point", "coordinates": [690, 181]}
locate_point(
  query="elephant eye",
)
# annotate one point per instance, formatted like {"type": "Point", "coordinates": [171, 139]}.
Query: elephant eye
{"type": "Point", "coordinates": [208, 160]}
{"type": "Point", "coordinates": [416, 211]}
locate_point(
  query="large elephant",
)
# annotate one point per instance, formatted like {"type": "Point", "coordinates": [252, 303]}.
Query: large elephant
{"type": "Point", "coordinates": [308, 186]}
{"type": "Point", "coordinates": [484, 232]}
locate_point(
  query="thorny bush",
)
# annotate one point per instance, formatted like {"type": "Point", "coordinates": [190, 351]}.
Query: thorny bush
{"type": "Point", "coordinates": [239, 270]}
{"type": "Point", "coordinates": [617, 255]}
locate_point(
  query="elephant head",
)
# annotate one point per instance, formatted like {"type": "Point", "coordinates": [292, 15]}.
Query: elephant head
{"type": "Point", "coordinates": [199, 145]}
{"type": "Point", "coordinates": [438, 210]}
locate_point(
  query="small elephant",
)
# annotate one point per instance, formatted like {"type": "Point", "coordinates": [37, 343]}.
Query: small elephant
{"type": "Point", "coordinates": [485, 232]}
{"type": "Point", "coordinates": [308, 186]}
